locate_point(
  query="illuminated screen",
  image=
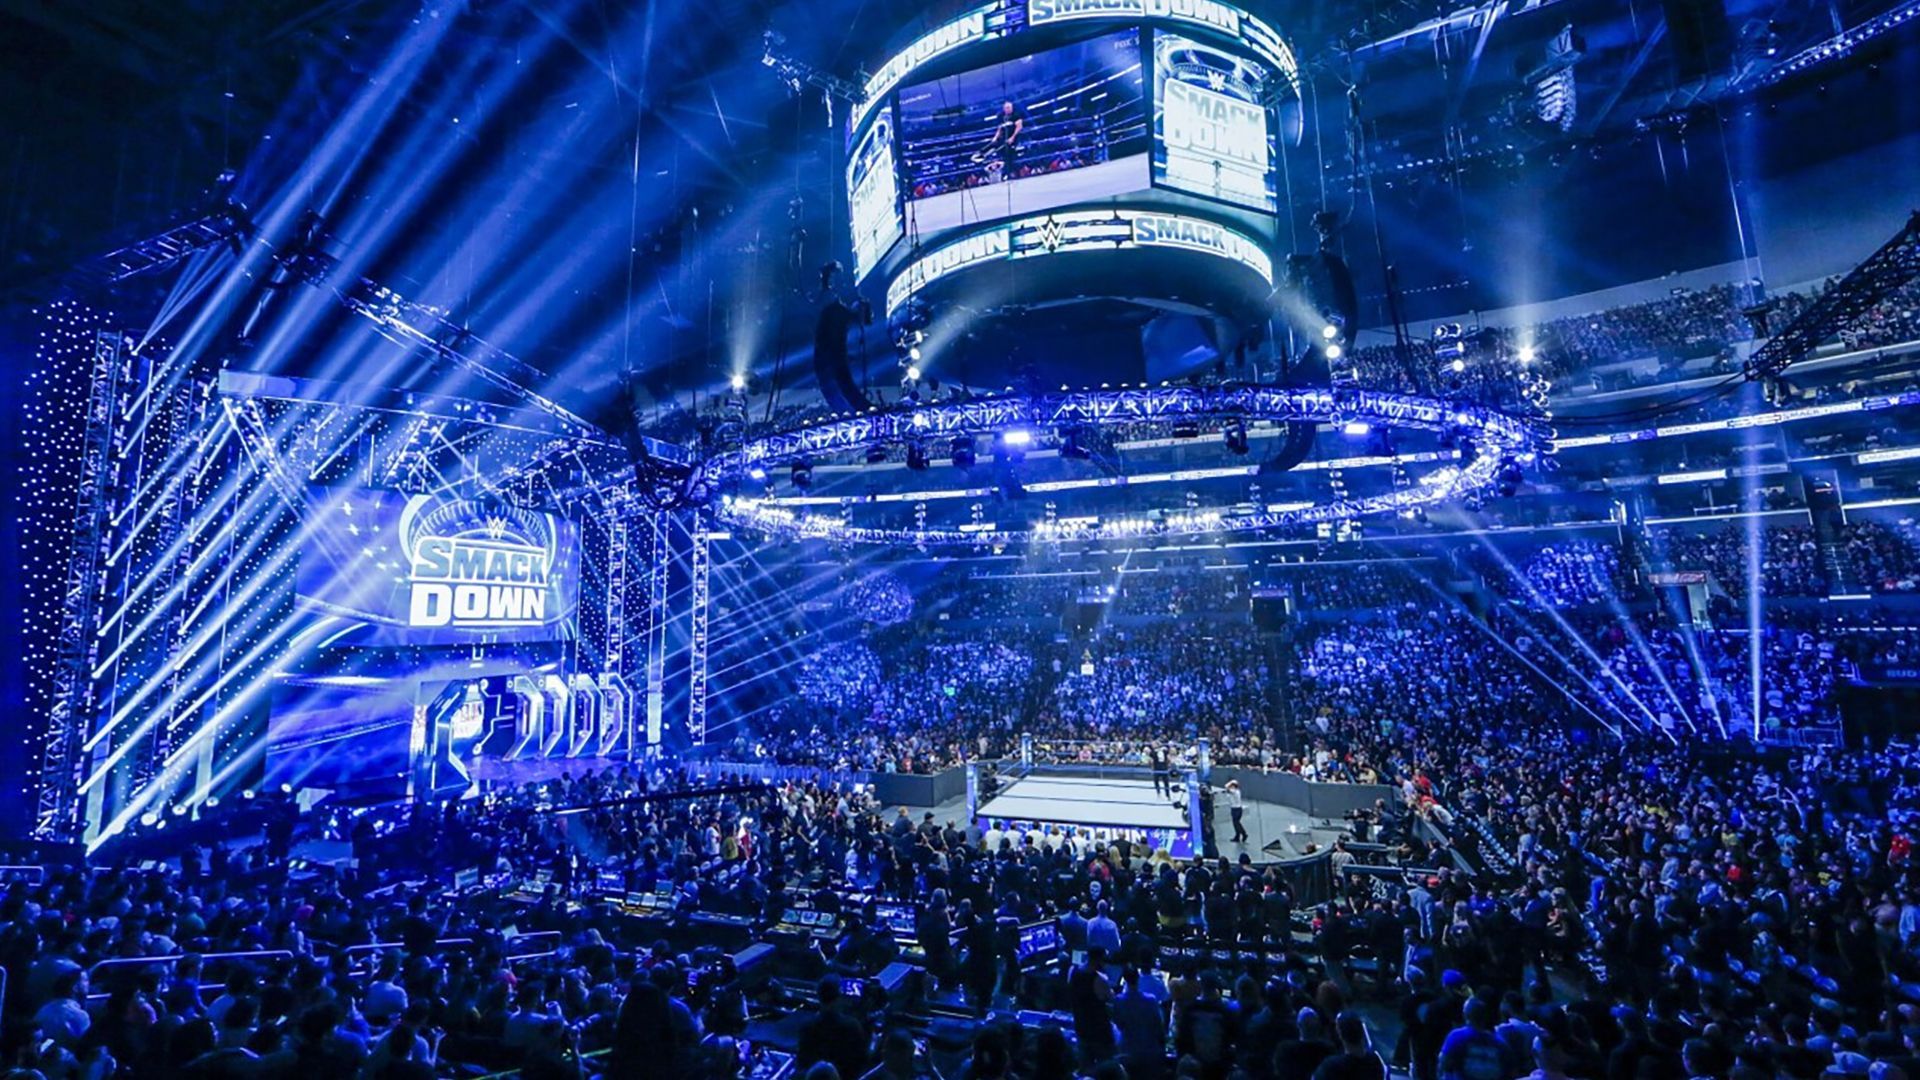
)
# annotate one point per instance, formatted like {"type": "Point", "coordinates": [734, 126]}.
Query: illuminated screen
{"type": "Point", "coordinates": [873, 195]}
{"type": "Point", "coordinates": [419, 570]}
{"type": "Point", "coordinates": [1210, 131]}
{"type": "Point", "coordinates": [326, 732]}
{"type": "Point", "coordinates": [1057, 127]}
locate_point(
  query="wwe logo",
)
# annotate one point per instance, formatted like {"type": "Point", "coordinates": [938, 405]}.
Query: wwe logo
{"type": "Point", "coordinates": [1216, 81]}
{"type": "Point", "coordinates": [496, 527]}
{"type": "Point", "coordinates": [1051, 235]}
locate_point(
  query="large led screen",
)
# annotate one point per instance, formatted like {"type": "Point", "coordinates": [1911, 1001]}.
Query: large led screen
{"type": "Point", "coordinates": [1210, 131]}
{"type": "Point", "coordinates": [873, 195]}
{"type": "Point", "coordinates": [398, 569]}
{"type": "Point", "coordinates": [1057, 127]}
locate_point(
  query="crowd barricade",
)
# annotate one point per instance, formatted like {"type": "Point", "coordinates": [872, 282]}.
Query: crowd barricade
{"type": "Point", "coordinates": [775, 773]}
{"type": "Point", "coordinates": [1322, 800]}
{"type": "Point", "coordinates": [206, 959]}
{"type": "Point", "coordinates": [170, 960]}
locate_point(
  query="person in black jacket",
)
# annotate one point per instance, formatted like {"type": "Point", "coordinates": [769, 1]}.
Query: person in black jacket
{"type": "Point", "coordinates": [833, 1036]}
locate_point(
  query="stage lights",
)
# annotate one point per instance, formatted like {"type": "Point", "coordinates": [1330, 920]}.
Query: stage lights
{"type": "Point", "coordinates": [1356, 428]}
{"type": "Point", "coordinates": [739, 382]}
{"type": "Point", "coordinates": [1333, 350]}
{"type": "Point", "coordinates": [757, 474]}
{"type": "Point", "coordinates": [1527, 354]}
{"type": "Point", "coordinates": [1019, 437]}
{"type": "Point", "coordinates": [1458, 366]}
{"type": "Point", "coordinates": [913, 371]}
{"type": "Point", "coordinates": [1329, 332]}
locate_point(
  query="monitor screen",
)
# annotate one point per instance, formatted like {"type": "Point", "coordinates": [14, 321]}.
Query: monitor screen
{"type": "Point", "coordinates": [404, 569]}
{"type": "Point", "coordinates": [1211, 134]}
{"type": "Point", "coordinates": [897, 918]}
{"type": "Point", "coordinates": [1038, 941]}
{"type": "Point", "coordinates": [873, 195]}
{"type": "Point", "coordinates": [1054, 128]}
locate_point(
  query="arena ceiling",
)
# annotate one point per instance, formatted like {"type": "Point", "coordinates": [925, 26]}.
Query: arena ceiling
{"type": "Point", "coordinates": [667, 132]}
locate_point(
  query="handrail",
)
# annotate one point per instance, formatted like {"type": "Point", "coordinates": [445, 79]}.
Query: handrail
{"type": "Point", "coordinates": [175, 958]}
{"type": "Point", "coordinates": [389, 946]}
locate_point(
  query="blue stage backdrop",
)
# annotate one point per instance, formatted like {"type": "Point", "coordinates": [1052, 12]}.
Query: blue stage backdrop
{"type": "Point", "coordinates": [405, 570]}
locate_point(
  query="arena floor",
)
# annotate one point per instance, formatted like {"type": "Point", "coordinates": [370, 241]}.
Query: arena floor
{"type": "Point", "coordinates": [1273, 831]}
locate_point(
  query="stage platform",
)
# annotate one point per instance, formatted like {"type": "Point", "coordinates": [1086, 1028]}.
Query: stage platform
{"type": "Point", "coordinates": [1106, 802]}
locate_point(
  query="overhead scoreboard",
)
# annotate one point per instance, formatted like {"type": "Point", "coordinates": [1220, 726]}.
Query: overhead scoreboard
{"type": "Point", "coordinates": [1019, 115]}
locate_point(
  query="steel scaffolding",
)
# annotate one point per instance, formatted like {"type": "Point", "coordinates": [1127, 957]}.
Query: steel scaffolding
{"type": "Point", "coordinates": [70, 712]}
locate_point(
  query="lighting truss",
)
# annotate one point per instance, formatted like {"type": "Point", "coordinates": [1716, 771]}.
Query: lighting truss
{"type": "Point", "coordinates": [697, 670]}
{"type": "Point", "coordinates": [227, 225]}
{"type": "Point", "coordinates": [70, 709]}
{"type": "Point", "coordinates": [1500, 438]}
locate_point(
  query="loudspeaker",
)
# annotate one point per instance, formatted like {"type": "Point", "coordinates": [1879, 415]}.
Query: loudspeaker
{"type": "Point", "coordinates": [830, 366]}
{"type": "Point", "coordinates": [1702, 40]}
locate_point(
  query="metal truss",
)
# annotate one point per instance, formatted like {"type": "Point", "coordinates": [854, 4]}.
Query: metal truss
{"type": "Point", "coordinates": [697, 662]}
{"type": "Point", "coordinates": [657, 569]}
{"type": "Point", "coordinates": [1500, 442]}
{"type": "Point", "coordinates": [1105, 408]}
{"type": "Point", "coordinates": [227, 225]}
{"type": "Point", "coordinates": [1896, 263]}
{"type": "Point", "coordinates": [616, 592]}
{"type": "Point", "coordinates": [70, 711]}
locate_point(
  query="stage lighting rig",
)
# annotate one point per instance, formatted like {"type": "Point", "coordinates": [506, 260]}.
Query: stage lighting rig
{"type": "Point", "coordinates": [798, 73]}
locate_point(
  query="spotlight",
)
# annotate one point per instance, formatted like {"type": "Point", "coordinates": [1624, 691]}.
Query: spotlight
{"type": "Point", "coordinates": [1355, 428]}
{"type": "Point", "coordinates": [1527, 354]}
{"type": "Point", "coordinates": [1019, 437]}
{"type": "Point", "coordinates": [739, 382]}
{"type": "Point", "coordinates": [149, 818]}
{"type": "Point", "coordinates": [914, 355]}
{"type": "Point", "coordinates": [913, 373]}
{"type": "Point", "coordinates": [802, 475]}
{"type": "Point", "coordinates": [1329, 331]}
{"type": "Point", "coordinates": [1236, 437]}
{"type": "Point", "coordinates": [757, 474]}
{"type": "Point", "coordinates": [963, 452]}
{"type": "Point", "coordinates": [1459, 365]}
{"type": "Point", "coordinates": [1333, 351]}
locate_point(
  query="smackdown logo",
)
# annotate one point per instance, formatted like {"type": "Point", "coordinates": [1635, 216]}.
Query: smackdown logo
{"type": "Point", "coordinates": [476, 584]}
{"type": "Point", "coordinates": [1210, 13]}
{"type": "Point", "coordinates": [1169, 230]}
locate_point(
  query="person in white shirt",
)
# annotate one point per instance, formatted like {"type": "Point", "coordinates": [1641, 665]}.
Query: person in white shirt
{"type": "Point", "coordinates": [1236, 808]}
